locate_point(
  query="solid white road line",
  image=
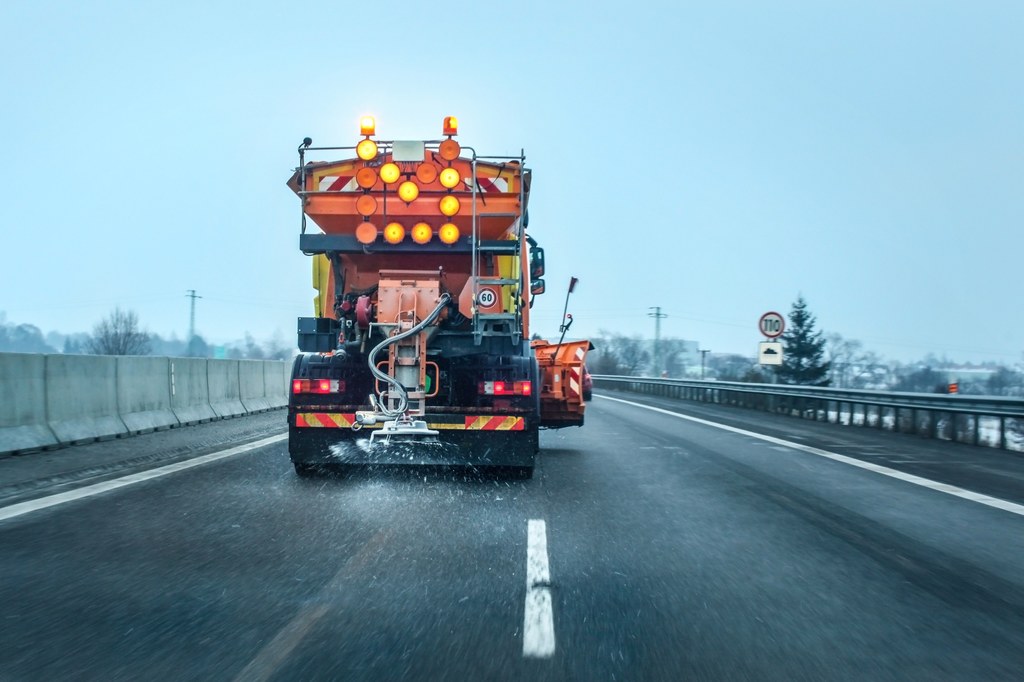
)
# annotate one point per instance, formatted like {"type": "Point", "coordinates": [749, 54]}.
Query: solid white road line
{"type": "Point", "coordinates": [1005, 505]}
{"type": "Point", "coordinates": [14, 510]}
{"type": "Point", "coordinates": [538, 621]}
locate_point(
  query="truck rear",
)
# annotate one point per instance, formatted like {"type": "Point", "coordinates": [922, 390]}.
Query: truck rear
{"type": "Point", "coordinates": [419, 350]}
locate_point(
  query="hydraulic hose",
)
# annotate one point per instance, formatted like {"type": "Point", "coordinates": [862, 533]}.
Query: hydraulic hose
{"type": "Point", "coordinates": [403, 403]}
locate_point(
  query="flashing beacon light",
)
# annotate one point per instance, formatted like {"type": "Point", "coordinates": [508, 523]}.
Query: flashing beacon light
{"type": "Point", "coordinates": [421, 233]}
{"type": "Point", "coordinates": [367, 126]}
{"type": "Point", "coordinates": [408, 191]}
{"type": "Point", "coordinates": [449, 205]}
{"type": "Point", "coordinates": [390, 172]}
{"type": "Point", "coordinates": [451, 125]}
{"type": "Point", "coordinates": [366, 233]}
{"type": "Point", "coordinates": [448, 233]}
{"type": "Point", "coordinates": [449, 178]}
{"type": "Point", "coordinates": [366, 150]}
{"type": "Point", "coordinates": [394, 233]}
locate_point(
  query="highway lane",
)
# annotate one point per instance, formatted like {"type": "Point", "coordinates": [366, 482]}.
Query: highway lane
{"type": "Point", "coordinates": [676, 551]}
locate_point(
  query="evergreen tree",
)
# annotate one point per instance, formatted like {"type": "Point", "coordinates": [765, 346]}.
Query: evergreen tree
{"type": "Point", "coordinates": [803, 361]}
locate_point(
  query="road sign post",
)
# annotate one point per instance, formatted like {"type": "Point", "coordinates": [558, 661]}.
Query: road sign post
{"type": "Point", "coordinates": [772, 325]}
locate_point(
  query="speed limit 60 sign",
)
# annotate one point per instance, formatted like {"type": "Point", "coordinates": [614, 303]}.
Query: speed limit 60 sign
{"type": "Point", "coordinates": [772, 325]}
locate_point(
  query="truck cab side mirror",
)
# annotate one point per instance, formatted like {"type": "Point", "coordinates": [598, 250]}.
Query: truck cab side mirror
{"type": "Point", "coordinates": [537, 287]}
{"type": "Point", "coordinates": [536, 262]}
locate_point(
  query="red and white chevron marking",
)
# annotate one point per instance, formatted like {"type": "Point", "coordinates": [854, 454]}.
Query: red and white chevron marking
{"type": "Point", "coordinates": [338, 183]}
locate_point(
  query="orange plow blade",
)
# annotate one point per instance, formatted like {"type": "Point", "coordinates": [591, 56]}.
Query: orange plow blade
{"type": "Point", "coordinates": [561, 372]}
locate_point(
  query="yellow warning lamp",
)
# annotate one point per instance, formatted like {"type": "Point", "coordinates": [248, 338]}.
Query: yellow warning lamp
{"type": "Point", "coordinates": [421, 233]}
{"type": "Point", "coordinates": [449, 178]}
{"type": "Point", "coordinates": [366, 233]}
{"type": "Point", "coordinates": [394, 233]}
{"type": "Point", "coordinates": [366, 177]}
{"type": "Point", "coordinates": [367, 126]}
{"type": "Point", "coordinates": [390, 172]}
{"type": "Point", "coordinates": [366, 150]}
{"type": "Point", "coordinates": [449, 150]}
{"type": "Point", "coordinates": [451, 125]}
{"type": "Point", "coordinates": [448, 233]}
{"type": "Point", "coordinates": [449, 205]}
{"type": "Point", "coordinates": [408, 191]}
{"type": "Point", "coordinates": [366, 205]}
{"type": "Point", "coordinates": [426, 172]}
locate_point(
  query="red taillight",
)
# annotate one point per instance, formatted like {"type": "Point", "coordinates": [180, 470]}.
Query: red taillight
{"type": "Point", "coordinates": [506, 388]}
{"type": "Point", "coordinates": [320, 386]}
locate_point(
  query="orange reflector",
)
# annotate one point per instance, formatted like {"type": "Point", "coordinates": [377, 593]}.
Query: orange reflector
{"type": "Point", "coordinates": [426, 172]}
{"type": "Point", "coordinates": [366, 233]}
{"type": "Point", "coordinates": [408, 191]}
{"type": "Point", "coordinates": [449, 150]}
{"type": "Point", "coordinates": [367, 126]}
{"type": "Point", "coordinates": [449, 178]}
{"type": "Point", "coordinates": [449, 233]}
{"type": "Point", "coordinates": [389, 172]}
{"type": "Point", "coordinates": [449, 205]}
{"type": "Point", "coordinates": [421, 233]}
{"type": "Point", "coordinates": [366, 150]}
{"type": "Point", "coordinates": [451, 125]}
{"type": "Point", "coordinates": [394, 233]}
{"type": "Point", "coordinates": [366, 205]}
{"type": "Point", "coordinates": [366, 177]}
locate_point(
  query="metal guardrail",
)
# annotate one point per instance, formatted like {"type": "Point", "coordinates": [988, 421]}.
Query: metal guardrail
{"type": "Point", "coordinates": [959, 418]}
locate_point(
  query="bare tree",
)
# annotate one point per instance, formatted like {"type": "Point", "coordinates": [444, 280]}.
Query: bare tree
{"type": "Point", "coordinates": [119, 334]}
{"type": "Point", "coordinates": [618, 354]}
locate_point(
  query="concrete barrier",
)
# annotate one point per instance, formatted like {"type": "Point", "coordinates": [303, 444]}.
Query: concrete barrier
{"type": "Point", "coordinates": [277, 378]}
{"type": "Point", "coordinates": [144, 393]}
{"type": "Point", "coordinates": [252, 385]}
{"type": "Point", "coordinates": [225, 398]}
{"type": "Point", "coordinates": [190, 390]}
{"type": "Point", "coordinates": [52, 400]}
{"type": "Point", "coordinates": [81, 397]}
{"type": "Point", "coordinates": [23, 403]}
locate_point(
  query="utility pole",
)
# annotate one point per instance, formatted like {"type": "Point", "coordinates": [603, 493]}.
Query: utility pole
{"type": "Point", "coordinates": [191, 317]}
{"type": "Point", "coordinates": [703, 354]}
{"type": "Point", "coordinates": [658, 316]}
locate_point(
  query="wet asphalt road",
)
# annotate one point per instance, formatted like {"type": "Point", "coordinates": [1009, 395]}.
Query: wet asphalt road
{"type": "Point", "coordinates": [676, 551]}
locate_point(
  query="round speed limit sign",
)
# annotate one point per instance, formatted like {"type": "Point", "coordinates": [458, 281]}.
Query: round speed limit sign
{"type": "Point", "coordinates": [772, 325]}
{"type": "Point", "coordinates": [487, 298]}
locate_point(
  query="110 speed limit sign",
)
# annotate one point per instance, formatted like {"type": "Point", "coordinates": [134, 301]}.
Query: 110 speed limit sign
{"type": "Point", "coordinates": [772, 325]}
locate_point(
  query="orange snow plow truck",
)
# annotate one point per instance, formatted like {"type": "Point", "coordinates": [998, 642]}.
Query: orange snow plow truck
{"type": "Point", "coordinates": [419, 351]}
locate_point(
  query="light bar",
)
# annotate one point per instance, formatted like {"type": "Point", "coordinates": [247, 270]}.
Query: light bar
{"type": "Point", "coordinates": [408, 191]}
{"type": "Point", "coordinates": [448, 233]}
{"type": "Point", "coordinates": [422, 233]}
{"type": "Point", "coordinates": [318, 386]}
{"type": "Point", "coordinates": [506, 388]}
{"type": "Point", "coordinates": [448, 205]}
{"type": "Point", "coordinates": [366, 150]}
{"type": "Point", "coordinates": [394, 233]}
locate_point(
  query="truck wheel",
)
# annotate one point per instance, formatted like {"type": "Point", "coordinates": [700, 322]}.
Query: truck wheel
{"type": "Point", "coordinates": [521, 473]}
{"type": "Point", "coordinates": [306, 470]}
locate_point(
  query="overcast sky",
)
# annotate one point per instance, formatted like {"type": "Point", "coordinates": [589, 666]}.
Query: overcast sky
{"type": "Point", "coordinates": [716, 159]}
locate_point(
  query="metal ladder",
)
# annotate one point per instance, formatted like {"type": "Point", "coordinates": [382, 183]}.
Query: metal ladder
{"type": "Point", "coordinates": [496, 324]}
